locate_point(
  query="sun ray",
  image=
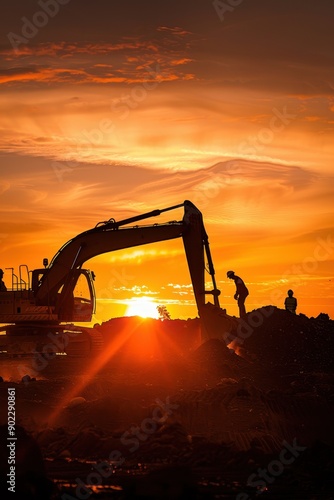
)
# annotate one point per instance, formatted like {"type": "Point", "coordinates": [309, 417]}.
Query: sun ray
{"type": "Point", "coordinates": [105, 356]}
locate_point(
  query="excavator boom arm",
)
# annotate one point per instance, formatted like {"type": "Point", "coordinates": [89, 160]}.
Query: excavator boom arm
{"type": "Point", "coordinates": [111, 235]}
{"type": "Point", "coordinates": [84, 247]}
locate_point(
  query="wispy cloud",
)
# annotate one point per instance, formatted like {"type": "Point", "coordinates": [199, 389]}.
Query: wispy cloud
{"type": "Point", "coordinates": [97, 63]}
{"type": "Point", "coordinates": [136, 290]}
{"type": "Point", "coordinates": [265, 200]}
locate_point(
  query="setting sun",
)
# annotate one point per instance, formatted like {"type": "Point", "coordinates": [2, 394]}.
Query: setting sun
{"type": "Point", "coordinates": [125, 114]}
{"type": "Point", "coordinates": [143, 307]}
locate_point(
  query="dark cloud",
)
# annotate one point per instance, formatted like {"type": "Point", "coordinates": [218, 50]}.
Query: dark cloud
{"type": "Point", "coordinates": [128, 61]}
{"type": "Point", "coordinates": [18, 71]}
{"type": "Point", "coordinates": [265, 46]}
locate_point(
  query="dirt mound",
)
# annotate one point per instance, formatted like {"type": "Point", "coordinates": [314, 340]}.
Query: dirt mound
{"type": "Point", "coordinates": [290, 343]}
{"type": "Point", "coordinates": [151, 337]}
{"type": "Point", "coordinates": [159, 399]}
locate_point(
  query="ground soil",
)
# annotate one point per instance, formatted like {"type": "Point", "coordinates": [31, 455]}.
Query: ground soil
{"type": "Point", "coordinates": [158, 415]}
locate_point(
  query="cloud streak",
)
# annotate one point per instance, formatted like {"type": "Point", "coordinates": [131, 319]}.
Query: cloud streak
{"type": "Point", "coordinates": [114, 110]}
{"type": "Point", "coordinates": [97, 63]}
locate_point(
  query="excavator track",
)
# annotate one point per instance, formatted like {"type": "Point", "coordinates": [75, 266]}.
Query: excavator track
{"type": "Point", "coordinates": [26, 341]}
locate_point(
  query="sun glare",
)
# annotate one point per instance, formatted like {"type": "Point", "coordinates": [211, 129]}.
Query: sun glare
{"type": "Point", "coordinates": [143, 307]}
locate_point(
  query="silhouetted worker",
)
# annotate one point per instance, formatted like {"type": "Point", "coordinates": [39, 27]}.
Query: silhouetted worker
{"type": "Point", "coordinates": [3, 287]}
{"type": "Point", "coordinates": [290, 302]}
{"type": "Point", "coordinates": [241, 292]}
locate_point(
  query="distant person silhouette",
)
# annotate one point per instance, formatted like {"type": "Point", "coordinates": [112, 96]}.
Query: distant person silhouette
{"type": "Point", "coordinates": [3, 287]}
{"type": "Point", "coordinates": [241, 292]}
{"type": "Point", "coordinates": [290, 302]}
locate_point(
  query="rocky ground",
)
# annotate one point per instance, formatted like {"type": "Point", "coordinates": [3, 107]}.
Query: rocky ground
{"type": "Point", "coordinates": [156, 415]}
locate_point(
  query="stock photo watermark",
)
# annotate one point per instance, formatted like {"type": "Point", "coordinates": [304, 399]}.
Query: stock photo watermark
{"type": "Point", "coordinates": [214, 182]}
{"type": "Point", "coordinates": [58, 342]}
{"type": "Point", "coordinates": [118, 278]}
{"type": "Point", "coordinates": [121, 107]}
{"type": "Point", "coordinates": [265, 136]}
{"type": "Point", "coordinates": [322, 251]}
{"type": "Point", "coordinates": [131, 439]}
{"type": "Point", "coordinates": [31, 27]}
{"type": "Point", "coordinates": [267, 476]}
{"type": "Point", "coordinates": [11, 439]}
{"type": "Point", "coordinates": [222, 8]}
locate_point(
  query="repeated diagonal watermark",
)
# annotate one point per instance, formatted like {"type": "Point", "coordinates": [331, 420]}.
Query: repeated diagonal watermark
{"type": "Point", "coordinates": [267, 476]}
{"type": "Point", "coordinates": [120, 109]}
{"type": "Point", "coordinates": [58, 342]}
{"type": "Point", "coordinates": [214, 182]}
{"type": "Point", "coordinates": [279, 120]}
{"type": "Point", "coordinates": [119, 278]}
{"type": "Point", "coordinates": [40, 19]}
{"type": "Point", "coordinates": [131, 439]}
{"type": "Point", "coordinates": [322, 251]}
{"type": "Point", "coordinates": [225, 7]}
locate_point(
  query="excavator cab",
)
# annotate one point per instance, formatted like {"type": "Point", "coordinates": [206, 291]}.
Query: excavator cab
{"type": "Point", "coordinates": [74, 302]}
{"type": "Point", "coordinates": [76, 298]}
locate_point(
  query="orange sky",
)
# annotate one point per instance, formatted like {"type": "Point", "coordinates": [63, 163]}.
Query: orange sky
{"type": "Point", "coordinates": [110, 113]}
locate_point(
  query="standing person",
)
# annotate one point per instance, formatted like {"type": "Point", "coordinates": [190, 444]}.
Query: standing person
{"type": "Point", "coordinates": [290, 302]}
{"type": "Point", "coordinates": [3, 287]}
{"type": "Point", "coordinates": [241, 292]}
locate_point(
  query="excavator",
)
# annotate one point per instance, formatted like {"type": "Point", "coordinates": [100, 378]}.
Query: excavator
{"type": "Point", "coordinates": [43, 306]}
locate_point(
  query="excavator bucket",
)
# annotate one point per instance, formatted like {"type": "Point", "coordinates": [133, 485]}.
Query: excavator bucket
{"type": "Point", "coordinates": [216, 324]}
